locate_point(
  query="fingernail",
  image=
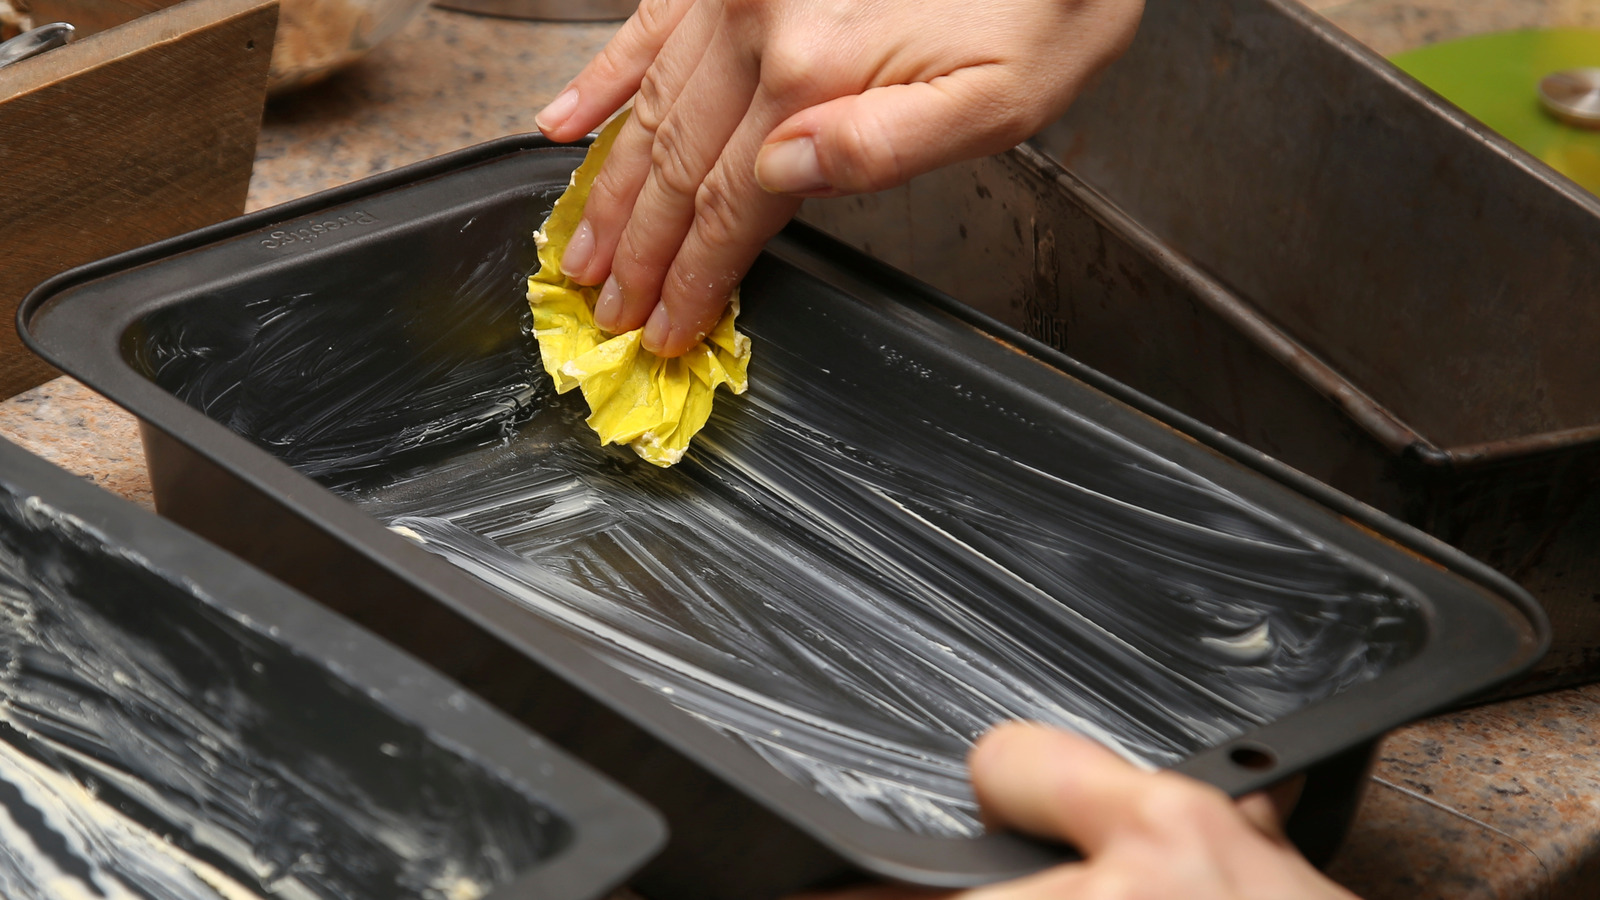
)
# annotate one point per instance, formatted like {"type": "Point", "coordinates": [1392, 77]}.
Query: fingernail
{"type": "Point", "coordinates": [560, 109]}
{"type": "Point", "coordinates": [791, 167]}
{"type": "Point", "coordinates": [579, 248]}
{"type": "Point", "coordinates": [609, 306]}
{"type": "Point", "coordinates": [657, 330]}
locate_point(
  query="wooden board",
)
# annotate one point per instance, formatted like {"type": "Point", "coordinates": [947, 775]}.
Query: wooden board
{"type": "Point", "coordinates": [128, 136]}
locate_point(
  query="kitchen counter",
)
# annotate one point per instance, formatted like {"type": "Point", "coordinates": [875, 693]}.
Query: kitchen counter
{"type": "Point", "coordinates": [1500, 801]}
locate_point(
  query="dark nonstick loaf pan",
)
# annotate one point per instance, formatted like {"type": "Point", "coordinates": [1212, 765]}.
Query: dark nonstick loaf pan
{"type": "Point", "coordinates": [178, 726]}
{"type": "Point", "coordinates": [915, 524]}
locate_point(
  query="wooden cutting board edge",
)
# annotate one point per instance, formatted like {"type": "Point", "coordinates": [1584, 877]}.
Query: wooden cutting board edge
{"type": "Point", "coordinates": [131, 135]}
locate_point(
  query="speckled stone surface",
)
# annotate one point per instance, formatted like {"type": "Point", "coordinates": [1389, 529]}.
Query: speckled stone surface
{"type": "Point", "coordinates": [447, 80]}
{"type": "Point", "coordinates": [1523, 779]}
{"type": "Point", "coordinates": [1406, 845]}
{"type": "Point", "coordinates": [82, 432]}
{"type": "Point", "coordinates": [1501, 801]}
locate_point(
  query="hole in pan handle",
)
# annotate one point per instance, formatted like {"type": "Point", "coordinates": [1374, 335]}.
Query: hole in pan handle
{"type": "Point", "coordinates": [1254, 757]}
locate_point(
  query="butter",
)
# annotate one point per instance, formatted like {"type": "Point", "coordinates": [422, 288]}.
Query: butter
{"type": "Point", "coordinates": [654, 405]}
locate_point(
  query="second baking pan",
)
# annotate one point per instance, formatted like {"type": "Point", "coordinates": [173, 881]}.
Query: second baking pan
{"type": "Point", "coordinates": [916, 524]}
{"type": "Point", "coordinates": [178, 726]}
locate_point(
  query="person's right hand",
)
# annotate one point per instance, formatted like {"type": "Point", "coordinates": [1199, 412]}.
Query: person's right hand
{"type": "Point", "coordinates": [1144, 835]}
{"type": "Point", "coordinates": [744, 107]}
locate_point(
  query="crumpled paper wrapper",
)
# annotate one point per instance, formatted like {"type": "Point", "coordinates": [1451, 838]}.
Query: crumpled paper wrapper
{"type": "Point", "coordinates": [653, 405]}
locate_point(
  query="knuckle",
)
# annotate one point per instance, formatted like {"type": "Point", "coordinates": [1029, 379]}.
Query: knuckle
{"type": "Point", "coordinates": [651, 105]}
{"type": "Point", "coordinates": [639, 272]}
{"type": "Point", "coordinates": [606, 203]}
{"type": "Point", "coordinates": [1010, 123]}
{"type": "Point", "coordinates": [866, 156]}
{"type": "Point", "coordinates": [670, 165]}
{"type": "Point", "coordinates": [690, 297]}
{"type": "Point", "coordinates": [610, 63]}
{"type": "Point", "coordinates": [654, 16]}
{"type": "Point", "coordinates": [1008, 136]}
{"type": "Point", "coordinates": [1017, 123]}
{"type": "Point", "coordinates": [791, 68]}
{"type": "Point", "coordinates": [716, 211]}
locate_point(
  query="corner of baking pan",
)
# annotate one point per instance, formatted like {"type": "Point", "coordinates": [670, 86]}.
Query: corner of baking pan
{"type": "Point", "coordinates": [40, 296]}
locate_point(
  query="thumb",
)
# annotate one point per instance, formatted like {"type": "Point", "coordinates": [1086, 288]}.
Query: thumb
{"type": "Point", "coordinates": [1055, 785]}
{"type": "Point", "coordinates": [885, 136]}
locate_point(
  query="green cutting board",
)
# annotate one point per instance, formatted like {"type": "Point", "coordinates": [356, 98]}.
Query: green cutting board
{"type": "Point", "coordinates": [1495, 77]}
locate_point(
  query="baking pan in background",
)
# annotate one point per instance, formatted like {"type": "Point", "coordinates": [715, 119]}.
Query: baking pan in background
{"type": "Point", "coordinates": [915, 524]}
{"type": "Point", "coordinates": [179, 726]}
{"type": "Point", "coordinates": [1434, 281]}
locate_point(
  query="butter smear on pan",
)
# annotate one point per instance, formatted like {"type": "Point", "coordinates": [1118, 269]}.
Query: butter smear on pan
{"type": "Point", "coordinates": [653, 405]}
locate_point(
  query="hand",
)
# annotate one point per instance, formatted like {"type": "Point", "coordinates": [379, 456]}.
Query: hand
{"type": "Point", "coordinates": [746, 106]}
{"type": "Point", "coordinates": [1155, 835]}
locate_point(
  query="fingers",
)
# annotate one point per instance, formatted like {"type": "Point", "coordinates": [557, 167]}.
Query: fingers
{"type": "Point", "coordinates": [888, 135]}
{"type": "Point", "coordinates": [1259, 810]}
{"type": "Point", "coordinates": [1268, 809]}
{"type": "Point", "coordinates": [1050, 784]}
{"type": "Point", "coordinates": [1060, 786]}
{"type": "Point", "coordinates": [879, 138]}
{"type": "Point", "coordinates": [698, 219]}
{"type": "Point", "coordinates": [686, 146]}
{"type": "Point", "coordinates": [1144, 834]}
{"type": "Point", "coordinates": [733, 219]}
{"type": "Point", "coordinates": [674, 220]}
{"type": "Point", "coordinates": [615, 73]}
{"type": "Point", "coordinates": [612, 196]}
{"type": "Point", "coordinates": [678, 291]}
{"type": "Point", "coordinates": [930, 115]}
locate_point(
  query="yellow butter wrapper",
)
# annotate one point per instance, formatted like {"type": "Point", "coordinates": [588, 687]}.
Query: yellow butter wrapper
{"type": "Point", "coordinates": [653, 405]}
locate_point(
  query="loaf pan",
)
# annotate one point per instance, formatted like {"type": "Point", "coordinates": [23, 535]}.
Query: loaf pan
{"type": "Point", "coordinates": [917, 523]}
{"type": "Point", "coordinates": [1417, 285]}
{"type": "Point", "coordinates": [179, 726]}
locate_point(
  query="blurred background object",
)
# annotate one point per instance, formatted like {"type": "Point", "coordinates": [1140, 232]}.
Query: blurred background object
{"type": "Point", "coordinates": [34, 41]}
{"type": "Point", "coordinates": [14, 18]}
{"type": "Point", "coordinates": [1573, 96]}
{"type": "Point", "coordinates": [318, 37]}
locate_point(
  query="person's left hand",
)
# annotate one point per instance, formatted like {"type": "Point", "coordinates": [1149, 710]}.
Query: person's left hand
{"type": "Point", "coordinates": [1144, 835]}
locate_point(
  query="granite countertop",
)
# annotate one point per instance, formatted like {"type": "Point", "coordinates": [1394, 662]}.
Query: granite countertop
{"type": "Point", "coordinates": [1500, 801]}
